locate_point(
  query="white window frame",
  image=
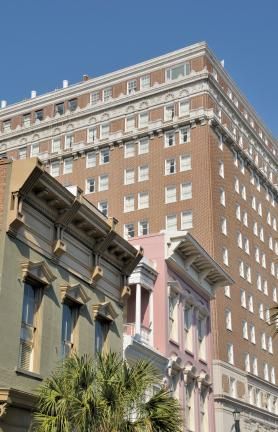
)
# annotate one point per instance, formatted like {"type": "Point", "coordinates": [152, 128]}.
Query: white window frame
{"type": "Point", "coordinates": [103, 182]}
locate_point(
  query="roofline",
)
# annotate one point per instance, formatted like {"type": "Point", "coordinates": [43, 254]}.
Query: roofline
{"type": "Point", "coordinates": [129, 70]}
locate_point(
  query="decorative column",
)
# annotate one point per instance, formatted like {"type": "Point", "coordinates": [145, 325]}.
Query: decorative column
{"type": "Point", "coordinates": [151, 316]}
{"type": "Point", "coordinates": [138, 310]}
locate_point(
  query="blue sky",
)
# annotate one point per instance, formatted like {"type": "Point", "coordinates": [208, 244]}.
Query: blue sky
{"type": "Point", "coordinates": [44, 42]}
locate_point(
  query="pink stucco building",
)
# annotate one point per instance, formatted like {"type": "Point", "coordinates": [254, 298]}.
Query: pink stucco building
{"type": "Point", "coordinates": [168, 319]}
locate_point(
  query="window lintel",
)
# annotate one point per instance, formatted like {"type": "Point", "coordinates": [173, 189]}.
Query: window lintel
{"type": "Point", "coordinates": [38, 272]}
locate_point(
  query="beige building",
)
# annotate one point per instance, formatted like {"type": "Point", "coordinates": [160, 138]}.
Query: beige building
{"type": "Point", "coordinates": [172, 144]}
{"type": "Point", "coordinates": [63, 277]}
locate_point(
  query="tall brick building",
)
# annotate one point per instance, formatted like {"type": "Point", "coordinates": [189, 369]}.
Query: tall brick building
{"type": "Point", "coordinates": [172, 144]}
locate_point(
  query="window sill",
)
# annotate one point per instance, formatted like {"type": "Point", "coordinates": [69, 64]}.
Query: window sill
{"type": "Point", "coordinates": [187, 351]}
{"type": "Point", "coordinates": [174, 342]}
{"type": "Point", "coordinates": [203, 361]}
{"type": "Point", "coordinates": [29, 374]}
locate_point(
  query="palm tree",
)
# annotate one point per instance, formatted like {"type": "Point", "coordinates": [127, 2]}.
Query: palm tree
{"type": "Point", "coordinates": [105, 395]}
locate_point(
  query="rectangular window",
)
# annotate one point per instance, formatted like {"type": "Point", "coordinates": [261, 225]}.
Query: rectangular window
{"type": "Point", "coordinates": [131, 86]}
{"type": "Point", "coordinates": [250, 303]}
{"type": "Point", "coordinates": [225, 256]}
{"type": "Point", "coordinates": [27, 333]}
{"type": "Point", "coordinates": [185, 162]}
{"type": "Point", "coordinates": [90, 185]}
{"type": "Point", "coordinates": [129, 231]}
{"type": "Point", "coordinates": [252, 334]}
{"type": "Point", "coordinates": [26, 120]}
{"type": "Point", "coordinates": [107, 94]}
{"type": "Point", "coordinates": [170, 166]}
{"type": "Point", "coordinates": [230, 353]}
{"type": "Point", "coordinates": [186, 191]}
{"type": "Point", "coordinates": [143, 119]}
{"type": "Point", "coordinates": [129, 150]}
{"type": "Point", "coordinates": [22, 153]}
{"type": "Point", "coordinates": [143, 146]}
{"type": "Point", "coordinates": [221, 169]}
{"type": "Point", "coordinates": [103, 207]}
{"type": "Point", "coordinates": [145, 82]}
{"type": "Point", "coordinates": [183, 108]}
{"type": "Point", "coordinates": [95, 97]}
{"type": "Point", "coordinates": [39, 115]}
{"type": "Point", "coordinates": [35, 149]}
{"type": "Point", "coordinates": [143, 200]}
{"type": "Point", "coordinates": [104, 156]}
{"type": "Point", "coordinates": [143, 173]}
{"type": "Point", "coordinates": [6, 126]}
{"type": "Point", "coordinates": [69, 138]}
{"type": "Point", "coordinates": [222, 197]}
{"type": "Point", "coordinates": [186, 220]}
{"type": "Point", "coordinates": [129, 203]}
{"type": "Point", "coordinates": [244, 329]}
{"type": "Point", "coordinates": [227, 291]}
{"type": "Point", "coordinates": [103, 183]}
{"type": "Point", "coordinates": [171, 223]}
{"type": "Point", "coordinates": [91, 159]}
{"type": "Point", "coordinates": [243, 298]}
{"type": "Point", "coordinates": [104, 130]}
{"type": "Point", "coordinates": [69, 317]}
{"type": "Point", "coordinates": [178, 71]}
{"type": "Point", "coordinates": [56, 145]}
{"type": "Point", "coordinates": [143, 228]}
{"type": "Point", "coordinates": [68, 163]}
{"type": "Point", "coordinates": [170, 194]}
{"type": "Point", "coordinates": [101, 335]}
{"type": "Point", "coordinates": [255, 366]}
{"type": "Point", "coordinates": [55, 169]}
{"type": "Point", "coordinates": [72, 104]}
{"type": "Point", "coordinates": [187, 325]}
{"type": "Point", "coordinates": [266, 373]}
{"type": "Point", "coordinates": [223, 225]}
{"type": "Point", "coordinates": [173, 315]}
{"type": "Point", "coordinates": [261, 311]}
{"type": "Point", "coordinates": [247, 362]}
{"type": "Point", "coordinates": [60, 108]}
{"type": "Point", "coordinates": [184, 135]}
{"type": "Point", "coordinates": [130, 123]}
{"type": "Point", "coordinates": [228, 319]}
{"type": "Point", "coordinates": [169, 112]}
{"type": "Point", "coordinates": [263, 341]}
{"type": "Point", "coordinates": [169, 139]}
{"type": "Point", "coordinates": [202, 331]}
{"type": "Point", "coordinates": [129, 176]}
{"type": "Point", "coordinates": [92, 134]}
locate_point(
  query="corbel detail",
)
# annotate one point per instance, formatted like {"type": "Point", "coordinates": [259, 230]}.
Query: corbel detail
{"type": "Point", "coordinates": [17, 219]}
{"type": "Point", "coordinates": [130, 266]}
{"type": "Point", "coordinates": [126, 291]}
{"type": "Point", "coordinates": [97, 274]}
{"type": "Point", "coordinates": [59, 247]}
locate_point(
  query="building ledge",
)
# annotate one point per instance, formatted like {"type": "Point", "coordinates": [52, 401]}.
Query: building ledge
{"type": "Point", "coordinates": [29, 374]}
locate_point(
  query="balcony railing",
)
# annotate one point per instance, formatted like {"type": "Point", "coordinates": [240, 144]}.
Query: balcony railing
{"type": "Point", "coordinates": [144, 336]}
